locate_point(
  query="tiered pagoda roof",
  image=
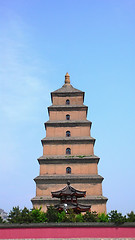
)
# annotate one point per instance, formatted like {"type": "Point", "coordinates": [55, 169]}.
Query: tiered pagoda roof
{"type": "Point", "coordinates": [68, 199]}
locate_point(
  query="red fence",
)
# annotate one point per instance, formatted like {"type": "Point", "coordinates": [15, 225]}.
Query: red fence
{"type": "Point", "coordinates": [89, 230]}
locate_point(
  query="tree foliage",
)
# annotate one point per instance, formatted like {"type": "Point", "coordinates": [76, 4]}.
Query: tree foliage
{"type": "Point", "coordinates": [35, 215]}
{"type": "Point", "coordinates": [116, 217]}
{"type": "Point", "coordinates": [25, 215]}
{"type": "Point", "coordinates": [90, 217]}
{"type": "Point", "coordinates": [102, 217]}
{"type": "Point", "coordinates": [14, 215]}
{"type": "Point", "coordinates": [52, 214]}
{"type": "Point", "coordinates": [1, 220]}
{"type": "Point", "coordinates": [131, 217]}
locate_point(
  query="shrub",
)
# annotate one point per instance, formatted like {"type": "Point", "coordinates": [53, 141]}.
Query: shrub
{"type": "Point", "coordinates": [102, 217]}
{"type": "Point", "coordinates": [79, 218]}
{"type": "Point", "coordinates": [70, 216]}
{"type": "Point", "coordinates": [90, 217]}
{"type": "Point", "coordinates": [61, 216]}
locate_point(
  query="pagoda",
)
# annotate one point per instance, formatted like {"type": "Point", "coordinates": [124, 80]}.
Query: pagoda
{"type": "Point", "coordinates": [68, 151]}
{"type": "Point", "coordinates": [68, 199]}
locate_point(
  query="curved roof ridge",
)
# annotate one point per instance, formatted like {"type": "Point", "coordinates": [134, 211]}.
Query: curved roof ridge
{"type": "Point", "coordinates": [68, 190]}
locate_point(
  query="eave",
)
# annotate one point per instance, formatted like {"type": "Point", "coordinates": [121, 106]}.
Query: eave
{"type": "Point", "coordinates": [68, 108]}
{"type": "Point", "coordinates": [53, 179]}
{"type": "Point", "coordinates": [68, 140]}
{"type": "Point", "coordinates": [68, 123]}
{"type": "Point", "coordinates": [64, 159]}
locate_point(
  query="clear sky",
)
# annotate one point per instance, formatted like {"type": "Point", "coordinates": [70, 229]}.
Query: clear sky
{"type": "Point", "coordinates": [40, 40]}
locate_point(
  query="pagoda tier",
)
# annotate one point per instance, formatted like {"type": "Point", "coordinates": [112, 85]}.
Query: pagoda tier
{"type": "Point", "coordinates": [68, 151]}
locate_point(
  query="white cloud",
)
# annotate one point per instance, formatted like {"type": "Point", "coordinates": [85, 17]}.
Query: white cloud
{"type": "Point", "coordinates": [21, 76]}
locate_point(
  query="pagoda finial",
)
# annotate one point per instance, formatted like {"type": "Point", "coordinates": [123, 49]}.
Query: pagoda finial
{"type": "Point", "coordinates": [68, 182]}
{"type": "Point", "coordinates": [67, 78]}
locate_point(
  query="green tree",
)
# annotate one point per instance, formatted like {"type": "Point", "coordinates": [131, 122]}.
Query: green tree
{"type": "Point", "coordinates": [131, 217]}
{"type": "Point", "coordinates": [102, 217]}
{"type": "Point", "coordinates": [90, 217]}
{"type": "Point", "coordinates": [37, 216]}
{"type": "Point", "coordinates": [17, 215]}
{"type": "Point", "coordinates": [70, 216]}
{"type": "Point", "coordinates": [14, 215]}
{"type": "Point", "coordinates": [116, 217]}
{"type": "Point", "coordinates": [1, 220]}
{"type": "Point", "coordinates": [79, 218]}
{"type": "Point", "coordinates": [52, 214]}
{"type": "Point", "coordinates": [25, 216]}
{"type": "Point", "coordinates": [62, 216]}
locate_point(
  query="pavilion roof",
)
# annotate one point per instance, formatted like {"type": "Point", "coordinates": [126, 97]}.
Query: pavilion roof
{"type": "Point", "coordinates": [70, 191]}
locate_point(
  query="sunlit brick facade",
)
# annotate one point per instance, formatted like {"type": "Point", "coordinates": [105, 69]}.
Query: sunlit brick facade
{"type": "Point", "coordinates": [68, 151]}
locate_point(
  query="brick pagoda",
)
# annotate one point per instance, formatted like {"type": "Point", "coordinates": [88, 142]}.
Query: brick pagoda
{"type": "Point", "coordinates": [68, 151]}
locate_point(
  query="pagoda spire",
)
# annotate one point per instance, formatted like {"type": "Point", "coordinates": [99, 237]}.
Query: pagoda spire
{"type": "Point", "coordinates": [67, 78]}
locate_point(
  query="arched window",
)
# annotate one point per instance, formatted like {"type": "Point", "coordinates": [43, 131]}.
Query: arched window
{"type": "Point", "coordinates": [67, 102]}
{"type": "Point", "coordinates": [68, 151]}
{"type": "Point", "coordinates": [68, 134]}
{"type": "Point", "coordinates": [67, 117]}
{"type": "Point", "coordinates": [68, 170]}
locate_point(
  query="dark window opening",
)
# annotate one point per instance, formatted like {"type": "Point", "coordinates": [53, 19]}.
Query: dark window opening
{"type": "Point", "coordinates": [68, 134]}
{"type": "Point", "coordinates": [67, 102]}
{"type": "Point", "coordinates": [68, 198]}
{"type": "Point", "coordinates": [67, 117]}
{"type": "Point", "coordinates": [68, 151]}
{"type": "Point", "coordinates": [62, 199]}
{"type": "Point", "coordinates": [68, 170]}
{"type": "Point", "coordinates": [74, 199]}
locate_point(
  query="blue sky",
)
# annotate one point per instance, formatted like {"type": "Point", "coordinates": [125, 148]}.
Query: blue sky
{"type": "Point", "coordinates": [39, 42]}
